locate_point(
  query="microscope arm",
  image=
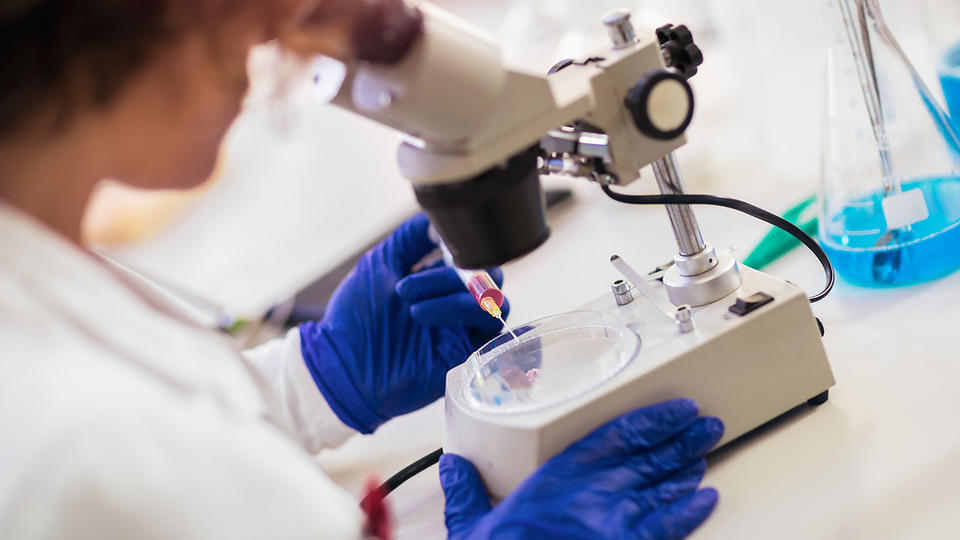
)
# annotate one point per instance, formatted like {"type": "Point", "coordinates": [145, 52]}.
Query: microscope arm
{"type": "Point", "coordinates": [463, 111]}
{"type": "Point", "coordinates": [478, 133]}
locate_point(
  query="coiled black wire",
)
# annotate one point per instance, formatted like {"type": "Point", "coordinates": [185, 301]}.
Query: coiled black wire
{"type": "Point", "coordinates": [746, 208]}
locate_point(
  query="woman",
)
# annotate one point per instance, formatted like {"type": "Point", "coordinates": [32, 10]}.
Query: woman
{"type": "Point", "coordinates": [121, 420]}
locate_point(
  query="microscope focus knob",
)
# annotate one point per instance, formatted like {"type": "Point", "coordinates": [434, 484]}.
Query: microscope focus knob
{"type": "Point", "coordinates": [678, 49]}
{"type": "Point", "coordinates": [661, 104]}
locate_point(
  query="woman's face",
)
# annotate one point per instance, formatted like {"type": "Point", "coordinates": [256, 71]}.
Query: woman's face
{"type": "Point", "coordinates": [172, 117]}
{"type": "Point", "coordinates": [168, 121]}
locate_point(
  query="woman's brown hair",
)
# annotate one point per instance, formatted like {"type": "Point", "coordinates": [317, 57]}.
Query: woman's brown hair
{"type": "Point", "coordinates": [59, 55]}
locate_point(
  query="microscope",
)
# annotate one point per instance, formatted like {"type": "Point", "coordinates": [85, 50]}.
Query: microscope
{"type": "Point", "coordinates": [477, 136]}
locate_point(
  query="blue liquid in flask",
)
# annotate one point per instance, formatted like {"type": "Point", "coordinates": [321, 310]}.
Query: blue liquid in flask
{"type": "Point", "coordinates": [864, 252]}
{"type": "Point", "coordinates": [950, 81]}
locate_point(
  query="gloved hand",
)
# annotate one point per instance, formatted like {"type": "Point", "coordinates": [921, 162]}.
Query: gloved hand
{"type": "Point", "coordinates": [634, 477]}
{"type": "Point", "coordinates": [388, 337]}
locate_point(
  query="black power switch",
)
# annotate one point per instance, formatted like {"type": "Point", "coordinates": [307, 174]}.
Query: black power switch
{"type": "Point", "coordinates": [750, 303]}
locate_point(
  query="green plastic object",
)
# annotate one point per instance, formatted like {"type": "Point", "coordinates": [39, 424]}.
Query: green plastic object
{"type": "Point", "coordinates": [777, 242]}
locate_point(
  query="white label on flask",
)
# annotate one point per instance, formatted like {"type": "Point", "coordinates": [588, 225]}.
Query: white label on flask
{"type": "Point", "coordinates": [903, 209]}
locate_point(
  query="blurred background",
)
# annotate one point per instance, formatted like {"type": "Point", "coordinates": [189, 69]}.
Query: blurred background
{"type": "Point", "coordinates": [302, 186]}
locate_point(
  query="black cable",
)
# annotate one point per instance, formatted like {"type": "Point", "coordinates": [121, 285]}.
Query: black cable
{"type": "Point", "coordinates": [748, 209]}
{"type": "Point", "coordinates": [405, 474]}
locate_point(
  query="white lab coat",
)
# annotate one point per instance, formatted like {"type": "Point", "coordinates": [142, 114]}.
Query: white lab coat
{"type": "Point", "coordinates": [120, 420]}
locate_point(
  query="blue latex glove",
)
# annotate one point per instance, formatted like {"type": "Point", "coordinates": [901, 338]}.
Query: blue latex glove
{"type": "Point", "coordinates": [388, 338]}
{"type": "Point", "coordinates": [634, 477]}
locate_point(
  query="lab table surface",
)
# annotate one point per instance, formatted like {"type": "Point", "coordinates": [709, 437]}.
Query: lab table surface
{"type": "Point", "coordinates": [881, 459]}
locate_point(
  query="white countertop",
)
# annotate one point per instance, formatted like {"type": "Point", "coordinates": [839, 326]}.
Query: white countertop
{"type": "Point", "coordinates": [880, 459]}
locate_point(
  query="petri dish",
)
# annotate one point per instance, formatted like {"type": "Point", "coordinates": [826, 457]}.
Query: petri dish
{"type": "Point", "coordinates": [552, 360]}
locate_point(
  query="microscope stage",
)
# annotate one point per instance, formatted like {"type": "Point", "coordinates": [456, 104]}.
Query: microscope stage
{"type": "Point", "coordinates": [746, 366]}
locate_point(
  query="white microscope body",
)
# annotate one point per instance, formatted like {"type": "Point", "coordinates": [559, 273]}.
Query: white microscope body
{"type": "Point", "coordinates": [745, 370]}
{"type": "Point", "coordinates": [466, 118]}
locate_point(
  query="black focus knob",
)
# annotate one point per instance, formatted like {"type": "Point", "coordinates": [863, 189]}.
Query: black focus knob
{"type": "Point", "coordinates": [661, 104]}
{"type": "Point", "coordinates": [679, 50]}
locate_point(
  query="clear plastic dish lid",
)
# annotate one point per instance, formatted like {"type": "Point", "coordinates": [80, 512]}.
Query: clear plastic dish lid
{"type": "Point", "coordinates": [552, 360]}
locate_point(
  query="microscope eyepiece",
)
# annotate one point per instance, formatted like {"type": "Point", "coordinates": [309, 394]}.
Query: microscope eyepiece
{"type": "Point", "coordinates": [387, 30]}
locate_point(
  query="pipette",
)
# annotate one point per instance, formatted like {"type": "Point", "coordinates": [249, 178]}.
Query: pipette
{"type": "Point", "coordinates": [485, 292]}
{"type": "Point", "coordinates": [481, 286]}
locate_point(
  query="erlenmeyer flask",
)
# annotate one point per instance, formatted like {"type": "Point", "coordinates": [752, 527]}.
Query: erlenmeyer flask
{"type": "Point", "coordinates": [890, 170]}
{"type": "Point", "coordinates": [943, 28]}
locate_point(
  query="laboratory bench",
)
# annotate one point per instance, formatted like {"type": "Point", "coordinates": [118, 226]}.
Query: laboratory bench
{"type": "Point", "coordinates": [879, 460]}
{"type": "Point", "coordinates": [304, 186]}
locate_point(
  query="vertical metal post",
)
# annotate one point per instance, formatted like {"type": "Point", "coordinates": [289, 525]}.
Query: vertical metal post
{"type": "Point", "coordinates": [685, 226]}
{"type": "Point", "coordinates": [701, 275]}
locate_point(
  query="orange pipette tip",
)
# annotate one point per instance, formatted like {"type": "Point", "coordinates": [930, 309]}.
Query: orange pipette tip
{"type": "Point", "coordinates": [490, 306]}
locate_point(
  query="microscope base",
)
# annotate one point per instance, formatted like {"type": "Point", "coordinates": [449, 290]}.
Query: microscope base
{"type": "Point", "coordinates": [745, 369]}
